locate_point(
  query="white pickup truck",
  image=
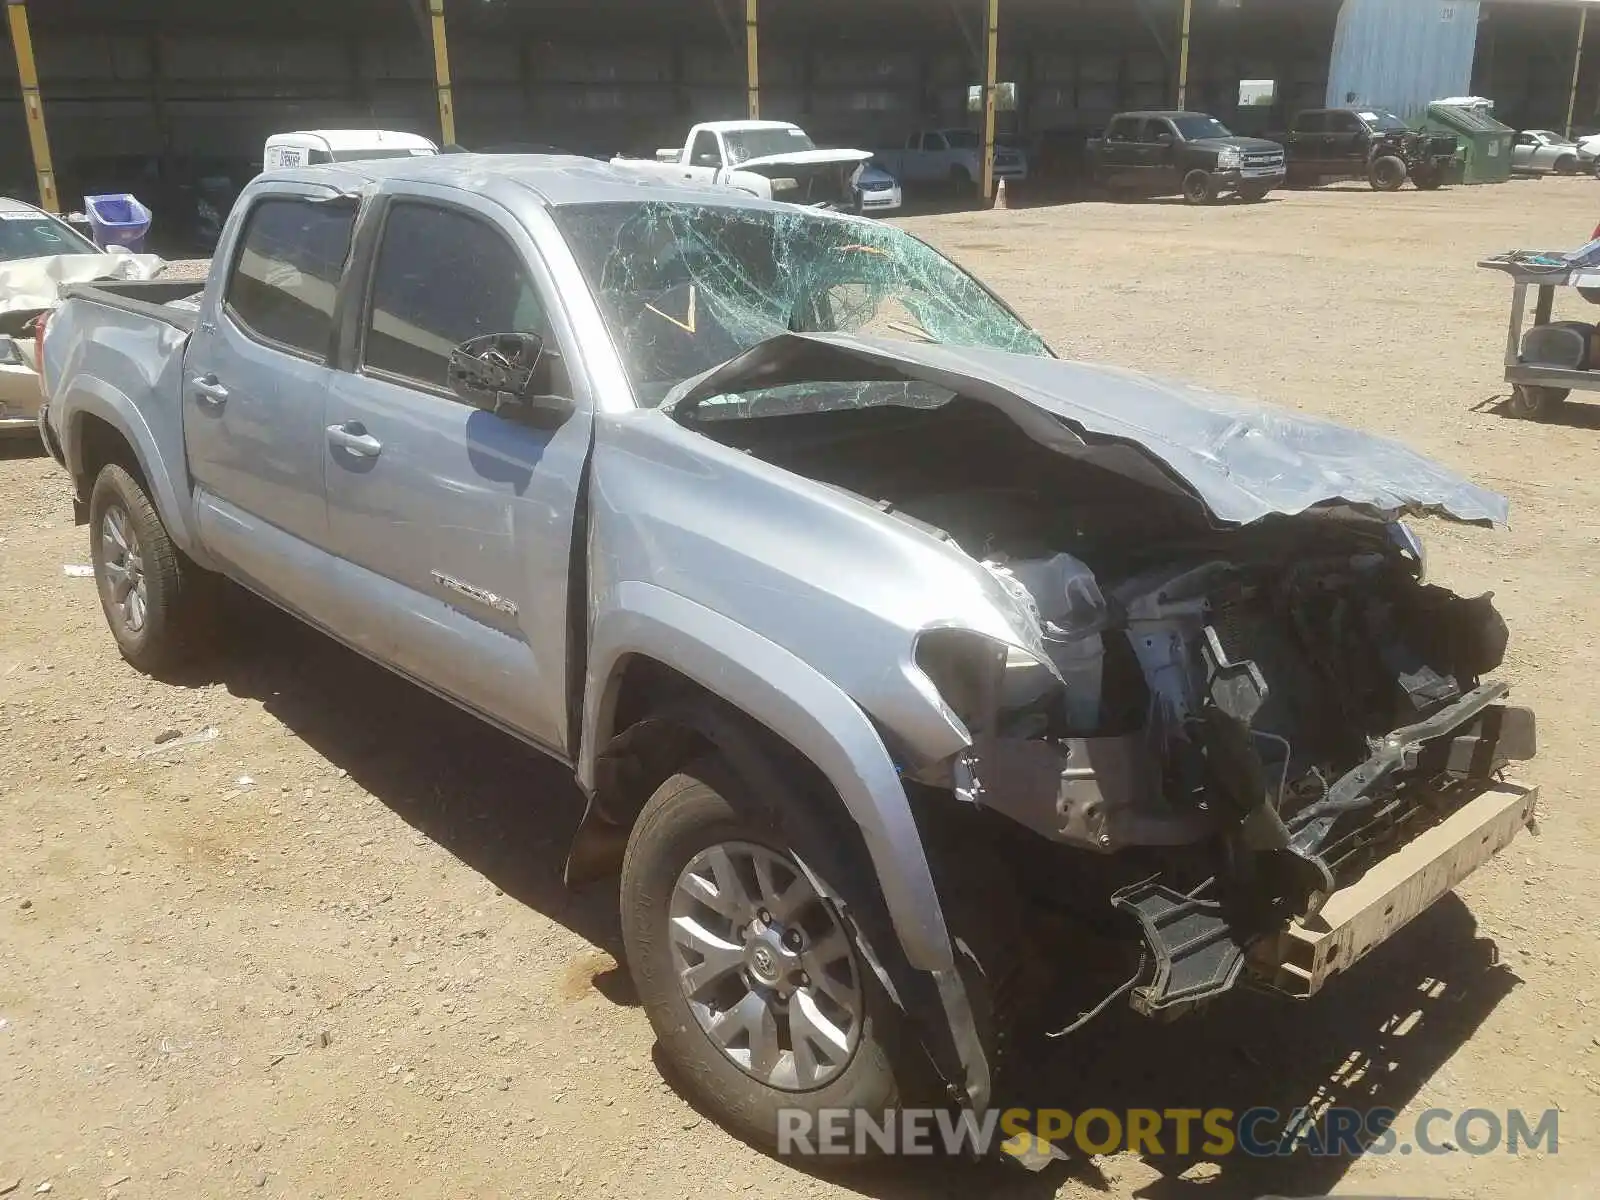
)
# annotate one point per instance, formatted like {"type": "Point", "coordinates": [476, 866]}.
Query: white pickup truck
{"type": "Point", "coordinates": [772, 160]}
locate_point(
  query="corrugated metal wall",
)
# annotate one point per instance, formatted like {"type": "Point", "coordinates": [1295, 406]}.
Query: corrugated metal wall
{"type": "Point", "coordinates": [1400, 54]}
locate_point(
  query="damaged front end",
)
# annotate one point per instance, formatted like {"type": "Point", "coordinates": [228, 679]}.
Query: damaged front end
{"type": "Point", "coordinates": [1251, 739]}
{"type": "Point", "coordinates": [821, 185]}
{"type": "Point", "coordinates": [1233, 716]}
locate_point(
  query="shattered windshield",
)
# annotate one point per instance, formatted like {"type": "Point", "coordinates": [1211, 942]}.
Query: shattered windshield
{"type": "Point", "coordinates": [685, 287]}
{"type": "Point", "coordinates": [745, 144]}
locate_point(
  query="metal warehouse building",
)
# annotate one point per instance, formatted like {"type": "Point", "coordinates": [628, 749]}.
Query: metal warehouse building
{"type": "Point", "coordinates": [150, 95]}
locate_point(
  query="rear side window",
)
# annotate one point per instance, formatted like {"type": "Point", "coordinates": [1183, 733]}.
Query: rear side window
{"type": "Point", "coordinates": [442, 278]}
{"type": "Point", "coordinates": [1124, 129]}
{"type": "Point", "coordinates": [285, 277]}
{"type": "Point", "coordinates": [705, 152]}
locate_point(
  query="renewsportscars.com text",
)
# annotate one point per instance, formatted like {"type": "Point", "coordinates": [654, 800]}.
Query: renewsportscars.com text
{"type": "Point", "coordinates": [1214, 1132]}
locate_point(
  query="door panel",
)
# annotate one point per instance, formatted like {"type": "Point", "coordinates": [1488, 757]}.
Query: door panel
{"type": "Point", "coordinates": [470, 514]}
{"type": "Point", "coordinates": [1120, 154]}
{"type": "Point", "coordinates": [1346, 143]}
{"type": "Point", "coordinates": [1158, 163]}
{"type": "Point", "coordinates": [705, 158]}
{"type": "Point", "coordinates": [1309, 140]}
{"type": "Point", "coordinates": [256, 379]}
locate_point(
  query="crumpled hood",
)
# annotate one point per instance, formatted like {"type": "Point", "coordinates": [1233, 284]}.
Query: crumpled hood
{"type": "Point", "coordinates": [35, 283]}
{"type": "Point", "coordinates": [1243, 461]}
{"type": "Point", "coordinates": [805, 158]}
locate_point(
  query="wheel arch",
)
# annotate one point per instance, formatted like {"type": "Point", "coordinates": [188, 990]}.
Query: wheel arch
{"type": "Point", "coordinates": [103, 426]}
{"type": "Point", "coordinates": [655, 650]}
{"type": "Point", "coordinates": [669, 679]}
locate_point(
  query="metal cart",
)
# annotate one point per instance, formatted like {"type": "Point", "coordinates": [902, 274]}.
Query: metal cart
{"type": "Point", "coordinates": [1539, 390]}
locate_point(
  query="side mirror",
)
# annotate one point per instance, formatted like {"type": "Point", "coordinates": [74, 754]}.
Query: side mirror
{"type": "Point", "coordinates": [1163, 139]}
{"type": "Point", "coordinates": [511, 375]}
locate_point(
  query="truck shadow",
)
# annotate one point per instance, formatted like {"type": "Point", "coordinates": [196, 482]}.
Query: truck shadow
{"type": "Point", "coordinates": [1372, 1039]}
{"type": "Point", "coordinates": [502, 808]}
{"type": "Point", "coordinates": [1581, 411]}
{"type": "Point", "coordinates": [20, 447]}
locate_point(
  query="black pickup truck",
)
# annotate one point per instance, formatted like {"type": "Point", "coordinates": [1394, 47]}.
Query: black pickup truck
{"type": "Point", "coordinates": [1187, 153]}
{"type": "Point", "coordinates": [1364, 143]}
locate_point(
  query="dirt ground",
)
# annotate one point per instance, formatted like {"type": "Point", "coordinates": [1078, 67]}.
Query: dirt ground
{"type": "Point", "coordinates": [326, 952]}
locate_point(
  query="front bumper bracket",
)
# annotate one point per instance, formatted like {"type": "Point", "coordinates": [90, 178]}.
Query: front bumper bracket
{"type": "Point", "coordinates": [1301, 958]}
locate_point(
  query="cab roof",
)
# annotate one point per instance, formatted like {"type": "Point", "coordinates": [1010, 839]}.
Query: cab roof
{"type": "Point", "coordinates": [1167, 113]}
{"type": "Point", "coordinates": [745, 126]}
{"type": "Point", "coordinates": [338, 140]}
{"type": "Point", "coordinates": [551, 180]}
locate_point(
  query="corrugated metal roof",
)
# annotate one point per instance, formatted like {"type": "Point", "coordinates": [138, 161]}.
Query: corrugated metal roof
{"type": "Point", "coordinates": [1400, 54]}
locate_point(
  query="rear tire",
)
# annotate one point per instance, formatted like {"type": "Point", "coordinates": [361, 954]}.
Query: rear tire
{"type": "Point", "coordinates": [1427, 179]}
{"type": "Point", "coordinates": [1534, 403]}
{"type": "Point", "coordinates": [1386, 173]}
{"type": "Point", "coordinates": [157, 602]}
{"type": "Point", "coordinates": [707, 821]}
{"type": "Point", "coordinates": [1199, 187]}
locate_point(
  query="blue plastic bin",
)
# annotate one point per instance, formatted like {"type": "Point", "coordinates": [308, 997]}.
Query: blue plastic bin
{"type": "Point", "coordinates": [117, 220]}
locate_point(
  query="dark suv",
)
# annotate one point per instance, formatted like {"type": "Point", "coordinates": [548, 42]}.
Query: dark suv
{"type": "Point", "coordinates": [1364, 143]}
{"type": "Point", "coordinates": [1187, 153]}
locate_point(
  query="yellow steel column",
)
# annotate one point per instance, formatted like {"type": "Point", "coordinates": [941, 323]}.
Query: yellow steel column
{"type": "Point", "coordinates": [991, 84]}
{"type": "Point", "coordinates": [1577, 62]}
{"type": "Point", "coordinates": [32, 105]}
{"type": "Point", "coordinates": [1183, 56]}
{"type": "Point", "coordinates": [441, 73]}
{"type": "Point", "coordinates": [752, 58]}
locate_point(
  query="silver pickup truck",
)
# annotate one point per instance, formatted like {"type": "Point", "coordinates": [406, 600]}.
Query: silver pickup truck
{"type": "Point", "coordinates": [874, 632]}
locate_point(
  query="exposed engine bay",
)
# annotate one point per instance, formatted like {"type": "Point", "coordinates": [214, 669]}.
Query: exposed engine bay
{"type": "Point", "coordinates": [1244, 719]}
{"type": "Point", "coordinates": [827, 183]}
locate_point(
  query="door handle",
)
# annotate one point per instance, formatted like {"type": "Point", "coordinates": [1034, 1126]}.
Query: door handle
{"type": "Point", "coordinates": [362, 444]}
{"type": "Point", "coordinates": [209, 391]}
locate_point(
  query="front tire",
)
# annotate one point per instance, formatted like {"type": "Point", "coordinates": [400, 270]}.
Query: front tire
{"type": "Point", "coordinates": [1199, 187]}
{"type": "Point", "coordinates": [753, 983]}
{"type": "Point", "coordinates": [155, 599]}
{"type": "Point", "coordinates": [1386, 173]}
{"type": "Point", "coordinates": [1567, 164]}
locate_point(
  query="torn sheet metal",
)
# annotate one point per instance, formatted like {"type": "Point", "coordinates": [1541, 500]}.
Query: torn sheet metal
{"type": "Point", "coordinates": [34, 284]}
{"type": "Point", "coordinates": [1242, 460]}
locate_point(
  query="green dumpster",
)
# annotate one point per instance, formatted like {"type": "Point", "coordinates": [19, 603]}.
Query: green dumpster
{"type": "Point", "coordinates": [1485, 143]}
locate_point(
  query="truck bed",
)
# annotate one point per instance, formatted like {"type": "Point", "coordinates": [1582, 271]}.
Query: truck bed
{"type": "Point", "coordinates": [150, 298]}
